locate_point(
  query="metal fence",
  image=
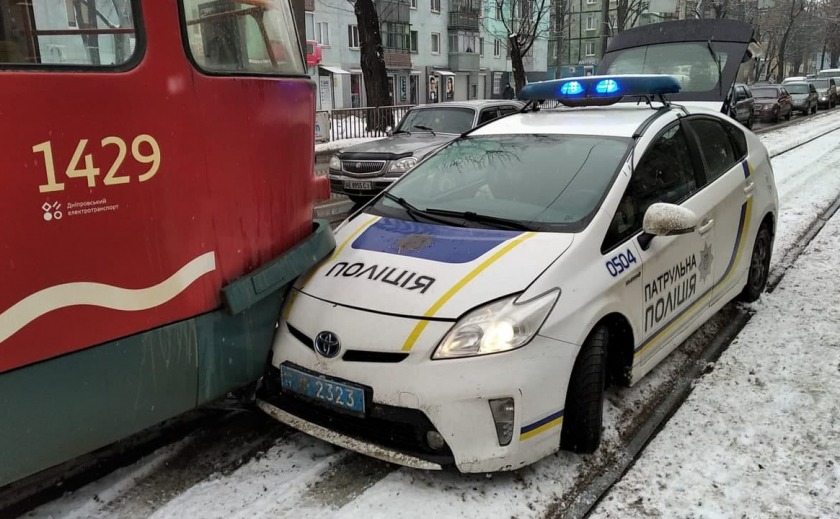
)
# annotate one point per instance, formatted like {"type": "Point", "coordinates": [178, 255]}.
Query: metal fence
{"type": "Point", "coordinates": [353, 123]}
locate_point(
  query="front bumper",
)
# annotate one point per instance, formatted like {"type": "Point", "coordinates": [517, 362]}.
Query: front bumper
{"type": "Point", "coordinates": [355, 186]}
{"type": "Point", "coordinates": [412, 395]}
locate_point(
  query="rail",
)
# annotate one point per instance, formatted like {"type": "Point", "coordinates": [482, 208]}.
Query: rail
{"type": "Point", "coordinates": [354, 123]}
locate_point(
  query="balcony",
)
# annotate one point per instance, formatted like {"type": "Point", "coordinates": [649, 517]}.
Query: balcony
{"type": "Point", "coordinates": [464, 61]}
{"type": "Point", "coordinates": [464, 20]}
{"type": "Point", "coordinates": [393, 10]}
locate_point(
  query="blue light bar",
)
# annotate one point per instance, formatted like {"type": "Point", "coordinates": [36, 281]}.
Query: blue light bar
{"type": "Point", "coordinates": [600, 90]}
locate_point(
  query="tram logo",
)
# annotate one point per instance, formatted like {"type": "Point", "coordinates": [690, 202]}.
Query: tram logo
{"type": "Point", "coordinates": [327, 344]}
{"type": "Point", "coordinates": [52, 211]}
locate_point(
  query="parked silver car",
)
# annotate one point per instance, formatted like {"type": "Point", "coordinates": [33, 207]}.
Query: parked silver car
{"type": "Point", "coordinates": [362, 171]}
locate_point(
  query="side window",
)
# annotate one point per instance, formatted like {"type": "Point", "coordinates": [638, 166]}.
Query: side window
{"type": "Point", "coordinates": [243, 37]}
{"type": "Point", "coordinates": [715, 147]}
{"type": "Point", "coordinates": [86, 34]}
{"type": "Point", "coordinates": [487, 115]}
{"type": "Point", "coordinates": [665, 174]}
{"type": "Point", "coordinates": [739, 140]}
{"type": "Point", "coordinates": [507, 110]}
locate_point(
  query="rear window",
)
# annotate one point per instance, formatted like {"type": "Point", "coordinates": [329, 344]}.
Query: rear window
{"type": "Point", "coordinates": [697, 67]}
{"type": "Point", "coordinates": [246, 37]}
{"type": "Point", "coordinates": [821, 83]}
{"type": "Point", "coordinates": [72, 33]}
{"type": "Point", "coordinates": [765, 92]}
{"type": "Point", "coordinates": [553, 181]}
{"type": "Point", "coordinates": [794, 88]}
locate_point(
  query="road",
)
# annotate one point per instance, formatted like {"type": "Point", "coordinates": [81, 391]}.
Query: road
{"type": "Point", "coordinates": [249, 466]}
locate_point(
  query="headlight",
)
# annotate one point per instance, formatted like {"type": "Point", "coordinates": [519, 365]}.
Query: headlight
{"type": "Point", "coordinates": [500, 326]}
{"type": "Point", "coordinates": [403, 165]}
{"type": "Point", "coordinates": [335, 163]}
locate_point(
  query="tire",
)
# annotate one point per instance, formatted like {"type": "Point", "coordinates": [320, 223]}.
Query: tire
{"type": "Point", "coordinates": [583, 416]}
{"type": "Point", "coordinates": [759, 266]}
{"type": "Point", "coordinates": [776, 115]}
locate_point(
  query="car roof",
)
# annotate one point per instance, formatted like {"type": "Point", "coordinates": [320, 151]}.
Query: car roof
{"type": "Point", "coordinates": [619, 120]}
{"type": "Point", "coordinates": [474, 103]}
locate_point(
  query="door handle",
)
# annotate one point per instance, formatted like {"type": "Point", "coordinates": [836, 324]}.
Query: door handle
{"type": "Point", "coordinates": [706, 226]}
{"type": "Point", "coordinates": [748, 189]}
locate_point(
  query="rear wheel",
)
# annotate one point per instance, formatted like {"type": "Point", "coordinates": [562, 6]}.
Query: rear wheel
{"type": "Point", "coordinates": [759, 266]}
{"type": "Point", "coordinates": [584, 412]}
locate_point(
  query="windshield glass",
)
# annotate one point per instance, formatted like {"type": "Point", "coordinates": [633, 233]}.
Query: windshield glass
{"type": "Point", "coordinates": [820, 83]}
{"type": "Point", "coordinates": [794, 88]}
{"type": "Point", "coordinates": [694, 64]}
{"type": "Point", "coordinates": [771, 93]}
{"type": "Point", "coordinates": [832, 72]}
{"type": "Point", "coordinates": [439, 119]}
{"type": "Point", "coordinates": [553, 181]}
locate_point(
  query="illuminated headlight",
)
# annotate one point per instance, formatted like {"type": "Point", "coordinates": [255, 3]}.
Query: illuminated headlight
{"type": "Point", "coordinates": [335, 163]}
{"type": "Point", "coordinates": [500, 326]}
{"type": "Point", "coordinates": [403, 165]}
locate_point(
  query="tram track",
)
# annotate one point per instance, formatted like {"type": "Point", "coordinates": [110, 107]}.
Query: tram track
{"type": "Point", "coordinates": [592, 483]}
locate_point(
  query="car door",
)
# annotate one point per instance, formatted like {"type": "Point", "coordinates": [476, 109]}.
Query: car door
{"type": "Point", "coordinates": [722, 149]}
{"type": "Point", "coordinates": [785, 101]}
{"type": "Point", "coordinates": [674, 279]}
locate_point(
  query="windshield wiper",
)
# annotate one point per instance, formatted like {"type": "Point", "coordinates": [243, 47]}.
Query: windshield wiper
{"type": "Point", "coordinates": [424, 128]}
{"type": "Point", "coordinates": [483, 218]}
{"type": "Point", "coordinates": [412, 211]}
{"type": "Point", "coordinates": [401, 131]}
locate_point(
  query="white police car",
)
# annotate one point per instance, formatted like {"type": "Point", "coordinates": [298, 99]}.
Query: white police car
{"type": "Point", "coordinates": [472, 315]}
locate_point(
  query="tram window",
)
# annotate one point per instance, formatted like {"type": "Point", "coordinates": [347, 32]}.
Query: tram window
{"type": "Point", "coordinates": [248, 36]}
{"type": "Point", "coordinates": [67, 32]}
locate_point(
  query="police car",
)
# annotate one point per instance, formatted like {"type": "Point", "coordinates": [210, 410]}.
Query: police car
{"type": "Point", "coordinates": [472, 314]}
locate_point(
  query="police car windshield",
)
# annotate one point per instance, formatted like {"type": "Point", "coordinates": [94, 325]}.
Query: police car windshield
{"type": "Point", "coordinates": [438, 119]}
{"type": "Point", "coordinates": [549, 182]}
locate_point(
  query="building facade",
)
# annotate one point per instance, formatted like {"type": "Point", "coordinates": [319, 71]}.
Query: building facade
{"type": "Point", "coordinates": [435, 50]}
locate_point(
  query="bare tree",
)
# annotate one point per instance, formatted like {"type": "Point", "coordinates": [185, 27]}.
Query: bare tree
{"type": "Point", "coordinates": [372, 62]}
{"type": "Point", "coordinates": [559, 23]}
{"type": "Point", "coordinates": [520, 23]}
{"type": "Point", "coordinates": [627, 13]}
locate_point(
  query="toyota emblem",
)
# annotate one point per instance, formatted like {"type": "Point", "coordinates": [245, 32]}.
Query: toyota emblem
{"type": "Point", "coordinates": [327, 344]}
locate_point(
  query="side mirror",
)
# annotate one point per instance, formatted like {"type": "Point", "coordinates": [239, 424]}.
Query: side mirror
{"type": "Point", "coordinates": [389, 131]}
{"type": "Point", "coordinates": [666, 220]}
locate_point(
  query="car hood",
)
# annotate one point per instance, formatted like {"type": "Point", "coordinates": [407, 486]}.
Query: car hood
{"type": "Point", "coordinates": [416, 269]}
{"type": "Point", "coordinates": [398, 146]}
{"type": "Point", "coordinates": [732, 38]}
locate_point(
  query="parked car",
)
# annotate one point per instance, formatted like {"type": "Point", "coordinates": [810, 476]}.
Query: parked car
{"type": "Point", "coordinates": [362, 171]}
{"type": "Point", "coordinates": [805, 96]}
{"type": "Point", "coordinates": [772, 102]}
{"type": "Point", "coordinates": [827, 88]}
{"type": "Point", "coordinates": [741, 104]}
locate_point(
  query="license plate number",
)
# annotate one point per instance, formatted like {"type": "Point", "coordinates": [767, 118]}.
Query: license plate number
{"type": "Point", "coordinates": [358, 184]}
{"type": "Point", "coordinates": [335, 394]}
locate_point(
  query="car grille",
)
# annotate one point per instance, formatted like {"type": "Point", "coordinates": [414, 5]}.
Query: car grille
{"type": "Point", "coordinates": [363, 167]}
{"type": "Point", "coordinates": [398, 428]}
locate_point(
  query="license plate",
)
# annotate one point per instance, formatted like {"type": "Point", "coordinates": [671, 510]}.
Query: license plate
{"type": "Point", "coordinates": [358, 184]}
{"type": "Point", "coordinates": [335, 394]}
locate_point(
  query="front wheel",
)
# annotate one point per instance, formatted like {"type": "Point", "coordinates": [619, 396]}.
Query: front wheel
{"type": "Point", "coordinates": [759, 266]}
{"type": "Point", "coordinates": [584, 413]}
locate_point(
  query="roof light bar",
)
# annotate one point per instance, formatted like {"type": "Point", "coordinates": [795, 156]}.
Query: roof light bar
{"type": "Point", "coordinates": [600, 90]}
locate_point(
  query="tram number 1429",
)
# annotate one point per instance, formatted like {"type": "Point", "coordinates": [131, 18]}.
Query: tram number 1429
{"type": "Point", "coordinates": [112, 177]}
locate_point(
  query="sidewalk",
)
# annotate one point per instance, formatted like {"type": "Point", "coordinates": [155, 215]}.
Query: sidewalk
{"type": "Point", "coordinates": [760, 435]}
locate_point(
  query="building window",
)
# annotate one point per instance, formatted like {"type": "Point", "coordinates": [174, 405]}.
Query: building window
{"type": "Point", "coordinates": [591, 2]}
{"type": "Point", "coordinates": [413, 42]}
{"type": "Point", "coordinates": [435, 6]}
{"type": "Point", "coordinates": [435, 43]}
{"type": "Point", "coordinates": [462, 42]}
{"type": "Point", "coordinates": [590, 22]}
{"type": "Point", "coordinates": [414, 4]}
{"type": "Point", "coordinates": [590, 48]}
{"type": "Point", "coordinates": [497, 48]}
{"type": "Point", "coordinates": [310, 26]}
{"type": "Point", "coordinates": [395, 36]}
{"type": "Point", "coordinates": [322, 33]}
{"type": "Point", "coordinates": [497, 83]}
{"type": "Point", "coordinates": [353, 36]}
{"type": "Point", "coordinates": [481, 47]}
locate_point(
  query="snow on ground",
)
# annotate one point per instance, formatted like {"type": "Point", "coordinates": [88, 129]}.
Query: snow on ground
{"type": "Point", "coordinates": [303, 477]}
{"type": "Point", "coordinates": [760, 435]}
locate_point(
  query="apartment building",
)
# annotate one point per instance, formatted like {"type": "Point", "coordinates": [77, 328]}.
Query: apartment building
{"type": "Point", "coordinates": [435, 50]}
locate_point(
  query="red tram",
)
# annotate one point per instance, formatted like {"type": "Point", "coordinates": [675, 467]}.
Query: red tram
{"type": "Point", "coordinates": [157, 173]}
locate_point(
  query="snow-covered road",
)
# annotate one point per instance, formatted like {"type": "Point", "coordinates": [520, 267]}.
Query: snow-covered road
{"type": "Point", "coordinates": [302, 477]}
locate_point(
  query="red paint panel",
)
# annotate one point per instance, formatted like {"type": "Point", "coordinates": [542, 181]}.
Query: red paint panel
{"type": "Point", "coordinates": [235, 179]}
